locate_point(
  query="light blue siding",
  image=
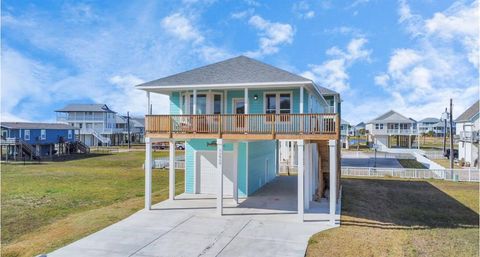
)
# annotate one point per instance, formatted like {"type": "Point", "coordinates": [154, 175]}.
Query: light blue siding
{"type": "Point", "coordinates": [259, 154]}
{"type": "Point", "coordinates": [175, 103]}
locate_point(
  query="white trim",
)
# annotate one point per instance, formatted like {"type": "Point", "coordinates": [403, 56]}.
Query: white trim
{"type": "Point", "coordinates": [43, 134]}
{"type": "Point", "coordinates": [171, 170]}
{"type": "Point", "coordinates": [220, 177]}
{"type": "Point", "coordinates": [302, 100]}
{"type": "Point", "coordinates": [277, 100]}
{"type": "Point", "coordinates": [232, 85]}
{"type": "Point", "coordinates": [195, 179]}
{"type": "Point", "coordinates": [235, 172]}
{"type": "Point", "coordinates": [25, 134]}
{"type": "Point", "coordinates": [300, 180]}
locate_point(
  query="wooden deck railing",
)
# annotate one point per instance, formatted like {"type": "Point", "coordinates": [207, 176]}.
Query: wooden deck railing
{"type": "Point", "coordinates": [232, 126]}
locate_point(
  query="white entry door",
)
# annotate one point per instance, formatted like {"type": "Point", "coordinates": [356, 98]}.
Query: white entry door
{"type": "Point", "coordinates": [206, 172]}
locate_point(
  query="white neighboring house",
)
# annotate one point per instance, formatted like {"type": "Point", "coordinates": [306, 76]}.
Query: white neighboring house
{"type": "Point", "coordinates": [346, 130]}
{"type": "Point", "coordinates": [95, 122]}
{"type": "Point", "coordinates": [392, 130]}
{"type": "Point", "coordinates": [468, 127]}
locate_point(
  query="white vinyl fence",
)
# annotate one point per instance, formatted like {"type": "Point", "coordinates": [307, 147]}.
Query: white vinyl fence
{"type": "Point", "coordinates": [165, 164]}
{"type": "Point", "coordinates": [471, 175]}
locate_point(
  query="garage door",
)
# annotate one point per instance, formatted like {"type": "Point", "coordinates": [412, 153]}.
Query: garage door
{"type": "Point", "coordinates": [206, 168]}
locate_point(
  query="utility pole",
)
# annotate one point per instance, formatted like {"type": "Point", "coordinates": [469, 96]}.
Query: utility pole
{"type": "Point", "coordinates": [128, 129]}
{"type": "Point", "coordinates": [451, 135]}
{"type": "Point", "coordinates": [445, 134]}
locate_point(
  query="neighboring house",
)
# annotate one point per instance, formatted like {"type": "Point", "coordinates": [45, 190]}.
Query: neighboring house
{"type": "Point", "coordinates": [33, 140]}
{"type": "Point", "coordinates": [392, 130]}
{"type": "Point", "coordinates": [433, 126]}
{"type": "Point", "coordinates": [346, 130]}
{"type": "Point", "coordinates": [359, 129]}
{"type": "Point", "coordinates": [467, 129]}
{"type": "Point", "coordinates": [99, 125]}
{"type": "Point", "coordinates": [232, 115]}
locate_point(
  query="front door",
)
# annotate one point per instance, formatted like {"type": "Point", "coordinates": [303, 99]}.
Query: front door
{"type": "Point", "coordinates": [239, 108]}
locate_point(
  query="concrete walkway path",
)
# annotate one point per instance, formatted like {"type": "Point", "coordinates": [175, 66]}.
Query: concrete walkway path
{"type": "Point", "coordinates": [265, 224]}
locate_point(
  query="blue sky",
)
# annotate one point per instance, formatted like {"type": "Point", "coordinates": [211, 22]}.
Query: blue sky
{"type": "Point", "coordinates": [410, 56]}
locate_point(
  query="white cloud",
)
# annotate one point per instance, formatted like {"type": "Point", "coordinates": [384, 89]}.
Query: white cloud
{"type": "Point", "coordinates": [302, 10]}
{"type": "Point", "coordinates": [442, 64]}
{"type": "Point", "coordinates": [181, 27]}
{"type": "Point", "coordinates": [242, 14]}
{"type": "Point", "coordinates": [98, 63]}
{"type": "Point", "coordinates": [272, 35]}
{"type": "Point", "coordinates": [333, 73]}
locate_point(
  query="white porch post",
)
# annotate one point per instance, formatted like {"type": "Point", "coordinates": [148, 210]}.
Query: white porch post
{"type": "Point", "coordinates": [306, 176]}
{"type": "Point", "coordinates": [148, 173]}
{"type": "Point", "coordinates": [301, 99]}
{"type": "Point", "coordinates": [247, 104]}
{"type": "Point", "coordinates": [235, 172]}
{"type": "Point", "coordinates": [333, 179]}
{"type": "Point", "coordinates": [300, 181]}
{"type": "Point", "coordinates": [149, 110]}
{"type": "Point", "coordinates": [194, 101]}
{"type": "Point", "coordinates": [220, 176]}
{"type": "Point", "coordinates": [171, 168]}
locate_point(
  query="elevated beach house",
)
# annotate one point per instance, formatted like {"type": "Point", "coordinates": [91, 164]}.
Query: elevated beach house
{"type": "Point", "coordinates": [468, 132]}
{"type": "Point", "coordinates": [231, 115]}
{"type": "Point", "coordinates": [32, 140]}
{"type": "Point", "coordinates": [392, 130]}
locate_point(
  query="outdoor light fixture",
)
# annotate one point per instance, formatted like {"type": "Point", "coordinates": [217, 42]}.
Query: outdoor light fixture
{"type": "Point", "coordinates": [255, 97]}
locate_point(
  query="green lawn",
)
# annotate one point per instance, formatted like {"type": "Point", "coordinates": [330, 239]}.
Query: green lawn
{"type": "Point", "coordinates": [446, 163]}
{"type": "Point", "coordinates": [388, 217]}
{"type": "Point", "coordinates": [63, 201]}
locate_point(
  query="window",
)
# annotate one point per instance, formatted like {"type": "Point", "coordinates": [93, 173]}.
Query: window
{"type": "Point", "coordinates": [69, 134]}
{"type": "Point", "coordinates": [379, 126]}
{"type": "Point", "coordinates": [278, 103]}
{"type": "Point", "coordinates": [217, 104]}
{"type": "Point", "coordinates": [201, 104]}
{"type": "Point", "coordinates": [27, 135]}
{"type": "Point", "coordinates": [271, 103]}
{"type": "Point", "coordinates": [43, 134]}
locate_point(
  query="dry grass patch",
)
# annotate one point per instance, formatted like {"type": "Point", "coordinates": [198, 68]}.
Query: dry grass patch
{"type": "Point", "coordinates": [387, 217]}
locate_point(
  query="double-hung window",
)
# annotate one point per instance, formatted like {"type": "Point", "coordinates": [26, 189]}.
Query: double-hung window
{"type": "Point", "coordinates": [43, 134]}
{"type": "Point", "coordinates": [26, 135]}
{"type": "Point", "coordinates": [69, 134]}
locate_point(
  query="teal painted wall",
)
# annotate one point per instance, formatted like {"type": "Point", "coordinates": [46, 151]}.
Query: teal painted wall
{"type": "Point", "coordinates": [259, 153]}
{"type": "Point", "coordinates": [175, 103]}
{"type": "Point", "coordinates": [256, 106]}
{"type": "Point", "coordinates": [201, 145]}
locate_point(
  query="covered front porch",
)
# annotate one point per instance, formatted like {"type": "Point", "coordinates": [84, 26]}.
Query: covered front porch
{"type": "Point", "coordinates": [298, 197]}
{"type": "Point", "coordinates": [276, 200]}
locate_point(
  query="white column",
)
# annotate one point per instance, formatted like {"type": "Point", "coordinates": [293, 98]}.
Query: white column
{"type": "Point", "coordinates": [171, 168]}
{"type": "Point", "coordinates": [333, 179]}
{"type": "Point", "coordinates": [306, 176]}
{"type": "Point", "coordinates": [194, 101]}
{"type": "Point", "coordinates": [235, 172]}
{"type": "Point", "coordinates": [148, 173]}
{"type": "Point", "coordinates": [301, 99]}
{"type": "Point", "coordinates": [247, 104]}
{"type": "Point", "coordinates": [149, 110]}
{"type": "Point", "coordinates": [220, 176]}
{"type": "Point", "coordinates": [300, 181]}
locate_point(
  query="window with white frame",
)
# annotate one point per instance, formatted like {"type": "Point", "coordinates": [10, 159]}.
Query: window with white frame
{"type": "Point", "coordinates": [26, 135]}
{"type": "Point", "coordinates": [43, 134]}
{"type": "Point", "coordinates": [207, 103]}
{"type": "Point", "coordinates": [69, 134]}
{"type": "Point", "coordinates": [278, 103]}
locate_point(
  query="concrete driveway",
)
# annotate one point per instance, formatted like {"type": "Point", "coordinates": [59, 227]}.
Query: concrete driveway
{"type": "Point", "coordinates": [265, 224]}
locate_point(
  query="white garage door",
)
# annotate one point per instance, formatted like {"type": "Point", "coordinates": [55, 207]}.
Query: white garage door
{"type": "Point", "coordinates": [206, 168]}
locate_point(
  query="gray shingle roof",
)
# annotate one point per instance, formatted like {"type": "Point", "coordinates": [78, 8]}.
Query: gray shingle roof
{"type": "Point", "coordinates": [237, 70]}
{"type": "Point", "coordinates": [85, 108]}
{"type": "Point", "coordinates": [469, 113]}
{"type": "Point", "coordinates": [429, 120]}
{"type": "Point", "coordinates": [392, 116]}
{"type": "Point", "coordinates": [34, 125]}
